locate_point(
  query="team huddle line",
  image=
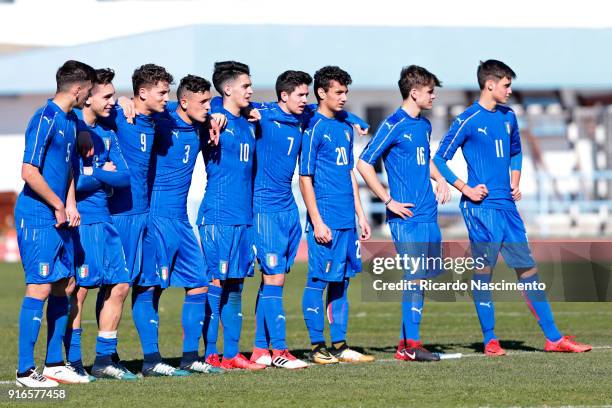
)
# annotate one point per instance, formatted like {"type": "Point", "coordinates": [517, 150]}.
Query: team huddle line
{"type": "Point", "coordinates": [104, 206]}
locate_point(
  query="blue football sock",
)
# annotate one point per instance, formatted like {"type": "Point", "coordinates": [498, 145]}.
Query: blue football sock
{"type": "Point", "coordinates": [412, 308]}
{"type": "Point", "coordinates": [231, 318]}
{"type": "Point", "coordinates": [30, 319]}
{"type": "Point", "coordinates": [72, 343]}
{"type": "Point", "coordinates": [146, 319]}
{"type": "Point", "coordinates": [539, 306]}
{"type": "Point", "coordinates": [57, 319]}
{"type": "Point", "coordinates": [106, 344]}
{"type": "Point", "coordinates": [100, 298]}
{"type": "Point", "coordinates": [275, 315]}
{"type": "Point", "coordinates": [313, 310]}
{"type": "Point", "coordinates": [193, 321]}
{"type": "Point", "coordinates": [337, 310]}
{"type": "Point", "coordinates": [262, 336]}
{"type": "Point", "coordinates": [211, 322]}
{"type": "Point", "coordinates": [483, 300]}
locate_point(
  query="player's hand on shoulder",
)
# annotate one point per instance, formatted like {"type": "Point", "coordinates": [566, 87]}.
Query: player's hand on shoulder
{"type": "Point", "coordinates": [214, 129]}
{"type": "Point", "coordinates": [85, 144]}
{"type": "Point", "coordinates": [253, 114]}
{"type": "Point", "coordinates": [129, 109]}
{"type": "Point", "coordinates": [220, 119]}
{"type": "Point", "coordinates": [109, 166]}
{"type": "Point", "coordinates": [366, 231]}
{"type": "Point", "coordinates": [73, 216]}
{"type": "Point", "coordinates": [516, 193]}
{"type": "Point", "coordinates": [477, 193]}
{"type": "Point", "coordinates": [322, 233]}
{"type": "Point", "coordinates": [361, 131]}
{"type": "Point", "coordinates": [401, 209]}
{"type": "Point", "coordinates": [443, 194]}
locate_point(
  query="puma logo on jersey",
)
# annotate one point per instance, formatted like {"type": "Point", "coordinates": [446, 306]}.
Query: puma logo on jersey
{"type": "Point", "coordinates": [230, 131]}
{"type": "Point", "coordinates": [327, 137]}
{"type": "Point", "coordinates": [314, 310]}
{"type": "Point", "coordinates": [408, 136]}
{"type": "Point", "coordinates": [175, 133]}
{"type": "Point", "coordinates": [487, 304]}
{"type": "Point", "coordinates": [483, 130]}
{"type": "Point", "coordinates": [61, 132]}
{"type": "Point", "coordinates": [277, 124]}
{"type": "Point", "coordinates": [416, 309]}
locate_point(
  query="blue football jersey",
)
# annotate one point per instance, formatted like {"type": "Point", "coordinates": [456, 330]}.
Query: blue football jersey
{"type": "Point", "coordinates": [278, 148]}
{"type": "Point", "coordinates": [50, 141]}
{"type": "Point", "coordinates": [175, 151]}
{"type": "Point", "coordinates": [228, 199]}
{"type": "Point", "coordinates": [92, 191]}
{"type": "Point", "coordinates": [488, 139]}
{"type": "Point", "coordinates": [327, 156]}
{"type": "Point", "coordinates": [403, 143]}
{"type": "Point", "coordinates": [136, 142]}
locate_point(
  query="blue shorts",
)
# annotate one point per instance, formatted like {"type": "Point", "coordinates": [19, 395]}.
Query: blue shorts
{"type": "Point", "coordinates": [172, 255]}
{"type": "Point", "coordinates": [228, 250]}
{"type": "Point", "coordinates": [422, 242]}
{"type": "Point", "coordinates": [131, 229]}
{"type": "Point", "coordinates": [277, 238]}
{"type": "Point", "coordinates": [336, 260]}
{"type": "Point", "coordinates": [493, 230]}
{"type": "Point", "coordinates": [47, 253]}
{"type": "Point", "coordinates": [99, 257]}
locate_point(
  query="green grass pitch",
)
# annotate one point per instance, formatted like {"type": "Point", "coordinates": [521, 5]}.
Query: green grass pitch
{"type": "Point", "coordinates": [526, 377]}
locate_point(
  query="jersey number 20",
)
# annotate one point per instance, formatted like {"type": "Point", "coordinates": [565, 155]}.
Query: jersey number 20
{"type": "Point", "coordinates": [342, 158]}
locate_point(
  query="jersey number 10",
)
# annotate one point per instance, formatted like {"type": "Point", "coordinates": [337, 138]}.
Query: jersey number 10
{"type": "Point", "coordinates": [244, 152]}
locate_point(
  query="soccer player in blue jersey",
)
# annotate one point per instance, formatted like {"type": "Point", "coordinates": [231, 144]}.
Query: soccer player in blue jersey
{"type": "Point", "coordinates": [488, 134]}
{"type": "Point", "coordinates": [44, 212]}
{"type": "Point", "coordinates": [402, 140]}
{"type": "Point", "coordinates": [225, 217]}
{"type": "Point", "coordinates": [100, 262]}
{"type": "Point", "coordinates": [129, 206]}
{"type": "Point", "coordinates": [172, 253]}
{"type": "Point", "coordinates": [331, 195]}
{"type": "Point", "coordinates": [277, 229]}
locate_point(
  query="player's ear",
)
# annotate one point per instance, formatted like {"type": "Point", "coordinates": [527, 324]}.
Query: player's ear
{"type": "Point", "coordinates": [227, 89]}
{"type": "Point", "coordinates": [413, 93]}
{"type": "Point", "coordinates": [284, 96]}
{"type": "Point", "coordinates": [142, 93]}
{"type": "Point", "coordinates": [183, 103]}
{"type": "Point", "coordinates": [489, 84]}
{"type": "Point", "coordinates": [321, 93]}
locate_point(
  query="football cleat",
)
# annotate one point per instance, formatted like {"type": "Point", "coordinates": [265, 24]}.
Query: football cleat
{"type": "Point", "coordinates": [240, 362]}
{"type": "Point", "coordinates": [566, 344]}
{"type": "Point", "coordinates": [213, 360]}
{"type": "Point", "coordinates": [411, 350]}
{"type": "Point", "coordinates": [202, 367]}
{"type": "Point", "coordinates": [113, 371]}
{"type": "Point", "coordinates": [81, 372]}
{"type": "Point", "coordinates": [321, 355]}
{"type": "Point", "coordinates": [64, 375]}
{"type": "Point", "coordinates": [348, 355]}
{"type": "Point", "coordinates": [33, 379]}
{"type": "Point", "coordinates": [164, 370]}
{"type": "Point", "coordinates": [284, 359]}
{"type": "Point", "coordinates": [261, 356]}
{"type": "Point", "coordinates": [494, 349]}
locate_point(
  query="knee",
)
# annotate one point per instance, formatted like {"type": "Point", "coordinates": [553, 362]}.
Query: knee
{"type": "Point", "coordinates": [274, 280]}
{"type": "Point", "coordinates": [120, 291]}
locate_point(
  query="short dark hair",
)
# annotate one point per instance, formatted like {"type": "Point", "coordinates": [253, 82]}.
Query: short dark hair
{"type": "Point", "coordinates": [413, 77]}
{"type": "Point", "coordinates": [149, 75]}
{"type": "Point", "coordinates": [327, 74]}
{"type": "Point", "coordinates": [226, 71]}
{"type": "Point", "coordinates": [73, 72]}
{"type": "Point", "coordinates": [493, 69]}
{"type": "Point", "coordinates": [104, 76]}
{"type": "Point", "coordinates": [289, 80]}
{"type": "Point", "coordinates": [192, 83]}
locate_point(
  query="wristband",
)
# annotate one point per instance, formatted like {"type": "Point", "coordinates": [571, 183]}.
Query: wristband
{"type": "Point", "coordinates": [388, 201]}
